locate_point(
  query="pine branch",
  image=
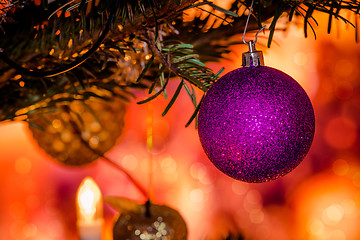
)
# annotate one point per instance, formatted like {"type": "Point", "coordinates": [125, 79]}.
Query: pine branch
{"type": "Point", "coordinates": [181, 60]}
{"type": "Point", "coordinates": [151, 33]}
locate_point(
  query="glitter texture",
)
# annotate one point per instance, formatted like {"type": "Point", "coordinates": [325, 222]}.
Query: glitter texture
{"type": "Point", "coordinates": [256, 124]}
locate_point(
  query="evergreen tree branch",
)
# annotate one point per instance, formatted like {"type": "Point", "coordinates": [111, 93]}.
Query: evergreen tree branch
{"type": "Point", "coordinates": [35, 41]}
{"type": "Point", "coordinates": [172, 67]}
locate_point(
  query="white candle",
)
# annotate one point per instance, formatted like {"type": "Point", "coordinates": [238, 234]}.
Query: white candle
{"type": "Point", "coordinates": [89, 210]}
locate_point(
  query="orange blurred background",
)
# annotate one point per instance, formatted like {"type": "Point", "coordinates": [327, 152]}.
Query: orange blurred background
{"type": "Point", "coordinates": [319, 200]}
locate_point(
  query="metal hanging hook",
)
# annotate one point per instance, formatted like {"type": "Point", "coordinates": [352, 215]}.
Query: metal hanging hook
{"type": "Point", "coordinates": [252, 58]}
{"type": "Point", "coordinates": [246, 25]}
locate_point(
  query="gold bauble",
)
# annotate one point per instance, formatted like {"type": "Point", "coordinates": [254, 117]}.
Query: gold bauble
{"type": "Point", "coordinates": [147, 221]}
{"type": "Point", "coordinates": [79, 132]}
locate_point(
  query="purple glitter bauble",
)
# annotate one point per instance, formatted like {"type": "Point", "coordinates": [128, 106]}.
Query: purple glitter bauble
{"type": "Point", "coordinates": [256, 124]}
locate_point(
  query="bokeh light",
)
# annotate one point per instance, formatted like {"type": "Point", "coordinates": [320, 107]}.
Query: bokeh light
{"type": "Point", "coordinates": [328, 207]}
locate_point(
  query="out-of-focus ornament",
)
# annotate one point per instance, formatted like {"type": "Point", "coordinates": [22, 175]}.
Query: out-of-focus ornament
{"type": "Point", "coordinates": [256, 123]}
{"type": "Point", "coordinates": [146, 221]}
{"type": "Point", "coordinates": [76, 133]}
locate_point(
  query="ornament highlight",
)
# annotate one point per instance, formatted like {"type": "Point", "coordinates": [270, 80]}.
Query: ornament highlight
{"type": "Point", "coordinates": [256, 123]}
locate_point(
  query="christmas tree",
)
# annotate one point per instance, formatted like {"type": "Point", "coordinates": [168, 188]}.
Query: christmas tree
{"type": "Point", "coordinates": [69, 67]}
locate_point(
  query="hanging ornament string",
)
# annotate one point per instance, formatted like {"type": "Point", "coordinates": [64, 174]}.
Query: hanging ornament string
{"type": "Point", "coordinates": [66, 68]}
{"type": "Point", "coordinates": [149, 144]}
{"type": "Point", "coordinates": [251, 43]}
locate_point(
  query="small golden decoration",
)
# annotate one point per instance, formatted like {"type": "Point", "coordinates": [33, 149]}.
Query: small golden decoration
{"type": "Point", "coordinates": [78, 133]}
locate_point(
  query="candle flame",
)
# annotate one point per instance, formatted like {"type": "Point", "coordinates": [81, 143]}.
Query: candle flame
{"type": "Point", "coordinates": [89, 201]}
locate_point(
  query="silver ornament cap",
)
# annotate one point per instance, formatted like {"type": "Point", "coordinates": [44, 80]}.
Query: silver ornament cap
{"type": "Point", "coordinates": [252, 58]}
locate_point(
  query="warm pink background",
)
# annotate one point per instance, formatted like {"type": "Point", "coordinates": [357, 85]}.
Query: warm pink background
{"type": "Point", "coordinates": [319, 200]}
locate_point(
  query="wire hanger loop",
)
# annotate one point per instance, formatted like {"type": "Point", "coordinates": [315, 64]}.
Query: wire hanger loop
{"type": "Point", "coordinates": [246, 25]}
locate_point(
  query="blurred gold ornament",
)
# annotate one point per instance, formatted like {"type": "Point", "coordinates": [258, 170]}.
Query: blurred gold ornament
{"type": "Point", "coordinates": [78, 133]}
{"type": "Point", "coordinates": [146, 221]}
